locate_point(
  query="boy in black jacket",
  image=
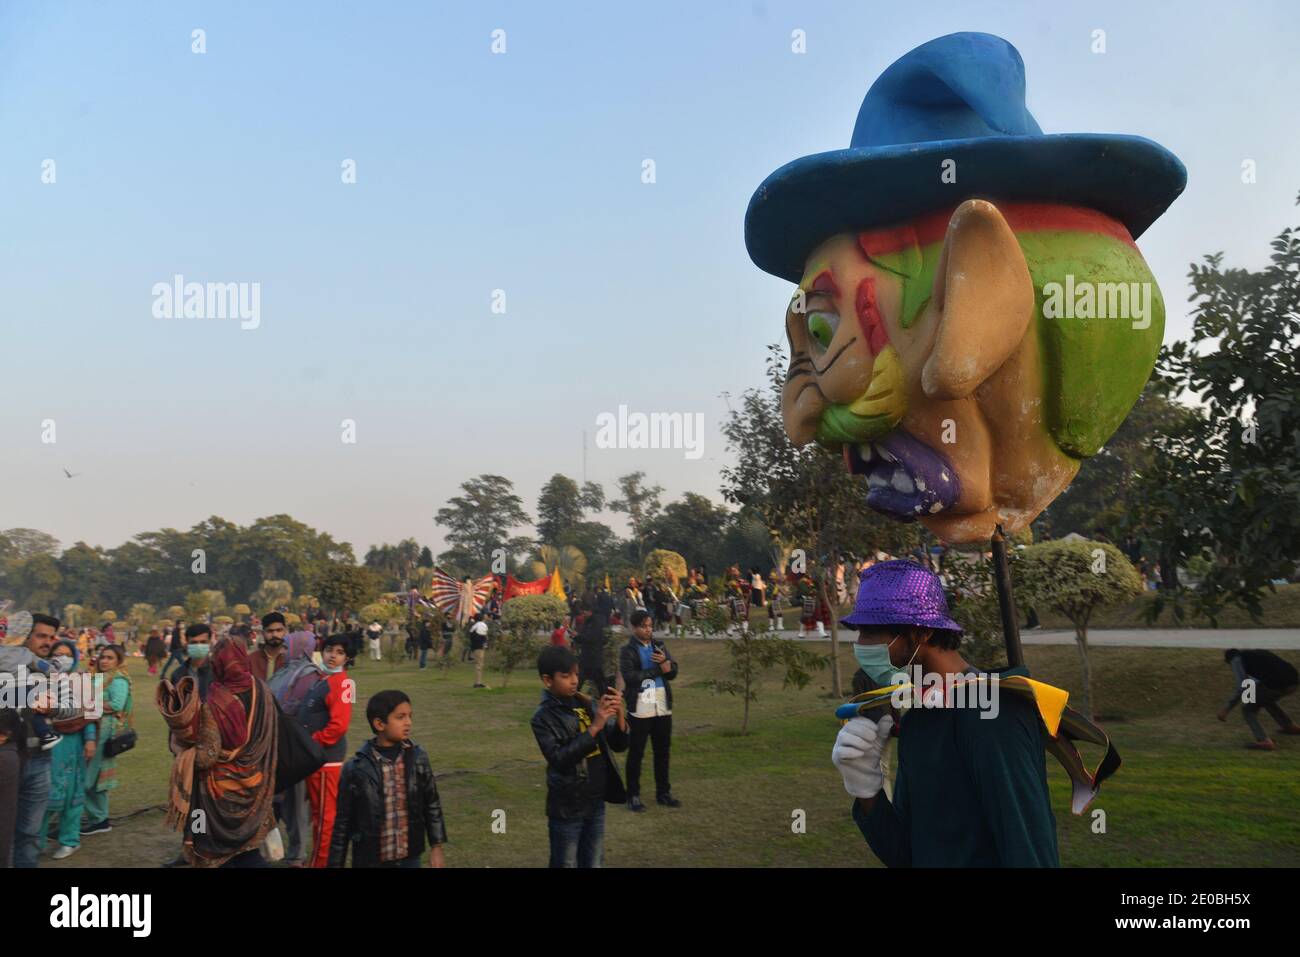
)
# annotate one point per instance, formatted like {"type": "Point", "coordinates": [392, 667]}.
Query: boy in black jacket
{"type": "Point", "coordinates": [388, 799]}
{"type": "Point", "coordinates": [580, 773]}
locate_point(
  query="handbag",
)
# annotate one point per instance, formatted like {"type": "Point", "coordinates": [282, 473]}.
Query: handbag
{"type": "Point", "coordinates": [299, 754]}
{"type": "Point", "coordinates": [120, 743]}
{"type": "Point", "coordinates": [123, 741]}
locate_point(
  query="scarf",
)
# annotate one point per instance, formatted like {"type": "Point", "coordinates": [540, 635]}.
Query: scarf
{"type": "Point", "coordinates": [179, 705]}
{"type": "Point", "coordinates": [230, 677]}
{"type": "Point", "coordinates": [234, 786]}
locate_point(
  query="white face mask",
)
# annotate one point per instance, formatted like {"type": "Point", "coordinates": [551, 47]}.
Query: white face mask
{"type": "Point", "coordinates": [62, 662]}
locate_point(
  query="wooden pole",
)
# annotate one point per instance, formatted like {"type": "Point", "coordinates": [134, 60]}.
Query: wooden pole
{"type": "Point", "coordinates": [1006, 599]}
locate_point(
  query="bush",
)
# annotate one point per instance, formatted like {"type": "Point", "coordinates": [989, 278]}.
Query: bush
{"type": "Point", "coordinates": [528, 614]}
{"type": "Point", "coordinates": [1074, 579]}
{"type": "Point", "coordinates": [662, 563]}
{"type": "Point", "coordinates": [513, 648]}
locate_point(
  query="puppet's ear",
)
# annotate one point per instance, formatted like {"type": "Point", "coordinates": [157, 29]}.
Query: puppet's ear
{"type": "Point", "coordinates": [985, 300]}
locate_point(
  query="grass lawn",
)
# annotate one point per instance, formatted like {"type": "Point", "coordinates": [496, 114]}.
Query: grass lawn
{"type": "Point", "coordinates": [1188, 794]}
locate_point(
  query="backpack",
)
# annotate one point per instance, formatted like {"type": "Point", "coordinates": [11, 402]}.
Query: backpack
{"type": "Point", "coordinates": [291, 684]}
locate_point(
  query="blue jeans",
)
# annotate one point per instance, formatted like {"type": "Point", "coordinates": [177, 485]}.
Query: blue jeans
{"type": "Point", "coordinates": [424, 655]}
{"type": "Point", "coordinates": [579, 842]}
{"type": "Point", "coordinates": [33, 800]}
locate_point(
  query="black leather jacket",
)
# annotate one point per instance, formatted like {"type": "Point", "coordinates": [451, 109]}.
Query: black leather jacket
{"type": "Point", "coordinates": [359, 819]}
{"type": "Point", "coordinates": [629, 662]}
{"type": "Point", "coordinates": [565, 747]}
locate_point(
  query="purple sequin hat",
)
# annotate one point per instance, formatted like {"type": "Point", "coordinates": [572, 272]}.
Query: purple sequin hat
{"type": "Point", "coordinates": [900, 593]}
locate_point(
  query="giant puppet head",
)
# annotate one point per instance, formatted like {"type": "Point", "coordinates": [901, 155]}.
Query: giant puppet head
{"type": "Point", "coordinates": [972, 317]}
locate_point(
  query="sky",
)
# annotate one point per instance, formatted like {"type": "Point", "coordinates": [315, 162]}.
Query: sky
{"type": "Point", "coordinates": [486, 179]}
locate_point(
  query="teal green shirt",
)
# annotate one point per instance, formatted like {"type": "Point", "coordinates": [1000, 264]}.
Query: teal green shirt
{"type": "Point", "coordinates": [970, 791]}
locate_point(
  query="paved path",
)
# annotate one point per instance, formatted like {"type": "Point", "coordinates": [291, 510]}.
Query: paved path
{"type": "Point", "coordinates": [1272, 638]}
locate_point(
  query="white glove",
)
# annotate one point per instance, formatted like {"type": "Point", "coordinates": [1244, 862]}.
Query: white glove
{"type": "Point", "coordinates": [857, 752]}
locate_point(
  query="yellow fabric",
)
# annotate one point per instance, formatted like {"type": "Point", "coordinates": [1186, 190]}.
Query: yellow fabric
{"type": "Point", "coordinates": [1048, 699]}
{"type": "Point", "coordinates": [556, 587]}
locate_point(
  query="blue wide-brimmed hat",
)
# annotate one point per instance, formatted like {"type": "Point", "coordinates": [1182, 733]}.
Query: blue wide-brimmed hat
{"type": "Point", "coordinates": [900, 593]}
{"type": "Point", "coordinates": [960, 97]}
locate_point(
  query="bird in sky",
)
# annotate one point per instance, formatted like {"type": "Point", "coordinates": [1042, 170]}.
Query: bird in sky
{"type": "Point", "coordinates": [70, 474]}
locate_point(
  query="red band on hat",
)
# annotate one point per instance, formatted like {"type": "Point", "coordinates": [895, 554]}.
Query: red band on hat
{"type": "Point", "coordinates": [1021, 217]}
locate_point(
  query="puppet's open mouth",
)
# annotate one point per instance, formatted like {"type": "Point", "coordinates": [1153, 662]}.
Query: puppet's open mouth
{"type": "Point", "coordinates": [905, 477]}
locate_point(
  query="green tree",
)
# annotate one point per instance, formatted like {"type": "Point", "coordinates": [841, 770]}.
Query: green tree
{"type": "Point", "coordinates": [694, 527]}
{"type": "Point", "coordinates": [1225, 485]}
{"type": "Point", "coordinates": [1074, 579]}
{"type": "Point", "coordinates": [35, 581]}
{"type": "Point", "coordinates": [84, 571]}
{"type": "Point", "coordinates": [559, 508]}
{"type": "Point", "coordinates": [973, 604]}
{"type": "Point", "coordinates": [805, 496]}
{"type": "Point", "coordinates": [640, 502]}
{"type": "Point", "coordinates": [1099, 497]}
{"type": "Point", "coordinates": [479, 521]}
{"type": "Point", "coordinates": [203, 603]}
{"type": "Point", "coordinates": [753, 651]}
{"type": "Point", "coordinates": [605, 551]}
{"type": "Point", "coordinates": [569, 560]}
{"type": "Point", "coordinates": [395, 563]}
{"type": "Point", "coordinates": [346, 588]}
{"type": "Point", "coordinates": [20, 544]}
{"type": "Point", "coordinates": [271, 595]}
{"type": "Point", "coordinates": [141, 617]}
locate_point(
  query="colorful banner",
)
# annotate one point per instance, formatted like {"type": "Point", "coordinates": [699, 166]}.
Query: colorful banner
{"type": "Point", "coordinates": [515, 588]}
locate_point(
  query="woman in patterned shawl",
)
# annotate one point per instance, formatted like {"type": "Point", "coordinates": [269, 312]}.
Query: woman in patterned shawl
{"type": "Point", "coordinates": [234, 765]}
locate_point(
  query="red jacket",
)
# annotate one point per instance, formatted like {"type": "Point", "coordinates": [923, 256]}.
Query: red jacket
{"type": "Point", "coordinates": [327, 711]}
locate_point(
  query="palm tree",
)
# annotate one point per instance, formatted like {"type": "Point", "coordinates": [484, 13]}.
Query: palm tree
{"type": "Point", "coordinates": [272, 593]}
{"type": "Point", "coordinates": [570, 560]}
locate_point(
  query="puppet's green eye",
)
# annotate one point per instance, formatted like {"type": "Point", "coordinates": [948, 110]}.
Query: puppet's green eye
{"type": "Point", "coordinates": [821, 329]}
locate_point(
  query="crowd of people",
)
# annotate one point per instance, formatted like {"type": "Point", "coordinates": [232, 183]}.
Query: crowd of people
{"type": "Point", "coordinates": [257, 718]}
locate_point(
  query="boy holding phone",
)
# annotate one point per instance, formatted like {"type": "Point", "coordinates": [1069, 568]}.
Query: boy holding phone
{"type": "Point", "coordinates": [648, 671]}
{"type": "Point", "coordinates": [581, 776]}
